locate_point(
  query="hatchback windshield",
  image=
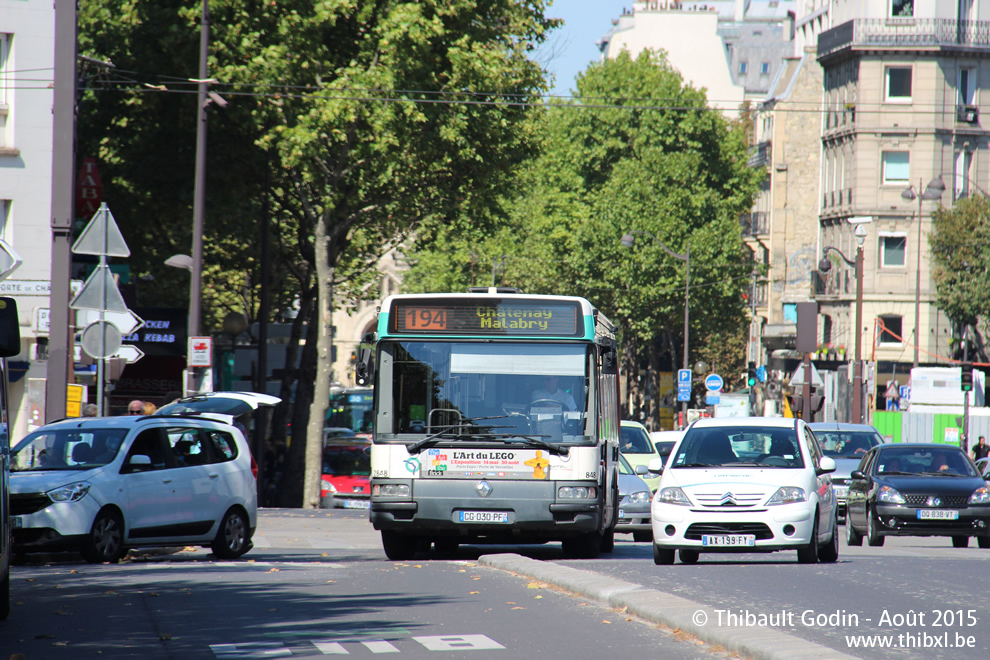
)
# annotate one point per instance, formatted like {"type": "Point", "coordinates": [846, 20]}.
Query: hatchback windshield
{"type": "Point", "coordinates": [847, 444]}
{"type": "Point", "coordinates": [67, 449]}
{"type": "Point", "coordinates": [949, 461]}
{"type": "Point", "coordinates": [743, 446]}
{"type": "Point", "coordinates": [347, 460]}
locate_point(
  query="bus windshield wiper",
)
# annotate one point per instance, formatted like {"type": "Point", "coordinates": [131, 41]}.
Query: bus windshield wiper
{"type": "Point", "coordinates": [434, 438]}
{"type": "Point", "coordinates": [536, 441]}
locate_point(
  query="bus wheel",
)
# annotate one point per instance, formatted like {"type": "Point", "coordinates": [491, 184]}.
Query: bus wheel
{"type": "Point", "coordinates": [587, 546]}
{"type": "Point", "coordinates": [399, 547]}
{"type": "Point", "coordinates": [608, 541]}
{"type": "Point", "coordinates": [445, 547]}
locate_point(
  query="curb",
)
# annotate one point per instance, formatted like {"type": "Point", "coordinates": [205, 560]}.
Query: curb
{"type": "Point", "coordinates": [665, 609]}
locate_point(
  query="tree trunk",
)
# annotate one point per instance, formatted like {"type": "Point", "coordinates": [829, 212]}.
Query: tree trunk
{"type": "Point", "coordinates": [323, 321]}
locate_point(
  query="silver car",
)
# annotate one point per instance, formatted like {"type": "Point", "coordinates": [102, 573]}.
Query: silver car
{"type": "Point", "coordinates": [846, 444]}
{"type": "Point", "coordinates": [634, 504]}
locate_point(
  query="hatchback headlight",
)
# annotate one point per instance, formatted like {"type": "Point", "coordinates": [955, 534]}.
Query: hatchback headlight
{"type": "Point", "coordinates": [890, 496]}
{"type": "Point", "coordinates": [673, 495]}
{"type": "Point", "coordinates": [788, 495]}
{"type": "Point", "coordinates": [329, 487]}
{"type": "Point", "coordinates": [640, 496]}
{"type": "Point", "coordinates": [71, 493]}
{"type": "Point", "coordinates": [980, 496]}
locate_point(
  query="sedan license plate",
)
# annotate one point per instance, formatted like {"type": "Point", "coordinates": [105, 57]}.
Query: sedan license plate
{"type": "Point", "coordinates": [17, 521]}
{"type": "Point", "coordinates": [357, 504]}
{"type": "Point", "coordinates": [622, 514]}
{"type": "Point", "coordinates": [728, 540]}
{"type": "Point", "coordinates": [841, 492]}
{"type": "Point", "coordinates": [483, 516]}
{"type": "Point", "coordinates": [937, 514]}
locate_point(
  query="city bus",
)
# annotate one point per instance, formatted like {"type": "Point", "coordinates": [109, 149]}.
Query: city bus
{"type": "Point", "coordinates": [10, 345]}
{"type": "Point", "coordinates": [468, 446]}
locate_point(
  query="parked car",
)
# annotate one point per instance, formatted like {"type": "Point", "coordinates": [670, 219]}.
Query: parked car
{"type": "Point", "coordinates": [983, 467]}
{"type": "Point", "coordinates": [746, 484]}
{"type": "Point", "coordinates": [634, 503]}
{"type": "Point", "coordinates": [346, 481]}
{"type": "Point", "coordinates": [636, 446]}
{"type": "Point", "coordinates": [918, 489]}
{"type": "Point", "coordinates": [846, 444]}
{"type": "Point", "coordinates": [106, 484]}
{"type": "Point", "coordinates": [664, 441]}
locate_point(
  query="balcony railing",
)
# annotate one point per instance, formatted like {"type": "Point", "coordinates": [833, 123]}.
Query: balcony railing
{"type": "Point", "coordinates": [754, 224]}
{"type": "Point", "coordinates": [759, 155]}
{"type": "Point", "coordinates": [904, 33]}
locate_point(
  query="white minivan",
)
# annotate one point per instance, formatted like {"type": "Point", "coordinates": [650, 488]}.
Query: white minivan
{"type": "Point", "coordinates": [102, 485]}
{"type": "Point", "coordinates": [745, 484]}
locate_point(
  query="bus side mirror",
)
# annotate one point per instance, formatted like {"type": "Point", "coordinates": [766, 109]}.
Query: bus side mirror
{"type": "Point", "coordinates": [364, 369]}
{"type": "Point", "coordinates": [10, 329]}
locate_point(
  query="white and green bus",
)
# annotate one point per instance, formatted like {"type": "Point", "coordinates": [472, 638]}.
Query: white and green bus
{"type": "Point", "coordinates": [496, 421]}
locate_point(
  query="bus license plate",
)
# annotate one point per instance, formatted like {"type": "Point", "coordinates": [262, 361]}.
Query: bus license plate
{"type": "Point", "coordinates": [728, 540]}
{"type": "Point", "coordinates": [483, 516]}
{"type": "Point", "coordinates": [937, 514]}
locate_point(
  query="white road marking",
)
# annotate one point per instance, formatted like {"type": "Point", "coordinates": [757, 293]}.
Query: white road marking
{"type": "Point", "coordinates": [380, 647]}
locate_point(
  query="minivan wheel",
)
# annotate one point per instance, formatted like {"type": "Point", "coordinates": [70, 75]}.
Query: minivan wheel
{"type": "Point", "coordinates": [105, 541]}
{"type": "Point", "coordinates": [689, 556]}
{"type": "Point", "coordinates": [5, 596]}
{"type": "Point", "coordinates": [808, 554]}
{"type": "Point", "coordinates": [662, 556]}
{"type": "Point", "coordinates": [829, 553]}
{"type": "Point", "coordinates": [232, 539]}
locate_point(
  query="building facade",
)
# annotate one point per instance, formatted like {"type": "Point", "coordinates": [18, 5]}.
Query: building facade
{"type": "Point", "coordinates": [902, 109]}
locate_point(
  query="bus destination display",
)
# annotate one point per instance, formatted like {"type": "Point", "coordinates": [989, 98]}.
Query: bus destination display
{"type": "Point", "coordinates": [460, 317]}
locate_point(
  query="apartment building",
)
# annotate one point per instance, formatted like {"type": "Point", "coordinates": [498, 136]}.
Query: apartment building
{"type": "Point", "coordinates": [904, 100]}
{"type": "Point", "coordinates": [27, 47]}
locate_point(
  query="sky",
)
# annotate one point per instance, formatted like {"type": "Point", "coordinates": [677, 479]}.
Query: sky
{"type": "Point", "coordinates": [571, 48]}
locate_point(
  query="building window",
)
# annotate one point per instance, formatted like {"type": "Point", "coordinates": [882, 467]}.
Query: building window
{"type": "Point", "coordinates": [892, 249]}
{"type": "Point", "coordinates": [4, 45]}
{"type": "Point", "coordinates": [743, 68]}
{"type": "Point", "coordinates": [898, 84]}
{"type": "Point", "coordinates": [892, 329]}
{"type": "Point", "coordinates": [902, 8]}
{"type": "Point", "coordinates": [826, 329]}
{"type": "Point", "coordinates": [764, 68]}
{"type": "Point", "coordinates": [790, 312]}
{"type": "Point", "coordinates": [967, 86]}
{"type": "Point", "coordinates": [961, 167]}
{"type": "Point", "coordinates": [896, 167]}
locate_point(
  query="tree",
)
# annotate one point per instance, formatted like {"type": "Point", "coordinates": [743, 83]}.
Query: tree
{"type": "Point", "coordinates": [960, 257]}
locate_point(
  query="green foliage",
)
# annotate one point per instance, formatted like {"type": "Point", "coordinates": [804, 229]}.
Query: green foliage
{"type": "Point", "coordinates": [960, 257]}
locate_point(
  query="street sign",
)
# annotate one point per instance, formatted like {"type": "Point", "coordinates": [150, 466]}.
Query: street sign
{"type": "Point", "coordinates": [712, 399]}
{"type": "Point", "coordinates": [200, 352]}
{"type": "Point", "coordinates": [129, 352]}
{"type": "Point", "coordinates": [683, 384]}
{"type": "Point", "coordinates": [102, 237]}
{"type": "Point", "coordinates": [714, 383]}
{"type": "Point", "coordinates": [100, 292]}
{"type": "Point", "coordinates": [761, 374]}
{"type": "Point", "coordinates": [797, 378]}
{"type": "Point", "coordinates": [127, 321]}
{"type": "Point", "coordinates": [9, 259]}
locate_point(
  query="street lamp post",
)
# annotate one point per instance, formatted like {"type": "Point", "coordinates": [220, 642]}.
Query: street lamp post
{"type": "Point", "coordinates": [934, 190]}
{"type": "Point", "coordinates": [627, 241]}
{"type": "Point", "coordinates": [824, 266]}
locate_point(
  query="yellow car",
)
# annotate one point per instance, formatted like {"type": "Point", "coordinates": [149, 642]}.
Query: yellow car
{"type": "Point", "coordinates": [636, 446]}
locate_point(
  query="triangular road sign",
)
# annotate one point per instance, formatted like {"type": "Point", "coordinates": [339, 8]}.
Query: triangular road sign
{"type": "Point", "coordinates": [797, 378]}
{"type": "Point", "coordinates": [100, 292]}
{"type": "Point", "coordinates": [101, 236]}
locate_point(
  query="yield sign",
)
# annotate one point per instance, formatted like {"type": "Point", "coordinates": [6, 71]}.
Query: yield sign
{"type": "Point", "coordinates": [797, 378]}
{"type": "Point", "coordinates": [100, 292]}
{"type": "Point", "coordinates": [127, 321]}
{"type": "Point", "coordinates": [102, 237]}
{"type": "Point", "coordinates": [129, 352]}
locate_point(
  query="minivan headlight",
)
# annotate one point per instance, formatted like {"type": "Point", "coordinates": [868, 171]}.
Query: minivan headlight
{"type": "Point", "coordinates": [788, 495]}
{"type": "Point", "coordinates": [71, 493]}
{"type": "Point", "coordinates": [673, 495]}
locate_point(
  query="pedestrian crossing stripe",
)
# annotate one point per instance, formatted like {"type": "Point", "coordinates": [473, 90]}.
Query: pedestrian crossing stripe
{"type": "Point", "coordinates": [331, 647]}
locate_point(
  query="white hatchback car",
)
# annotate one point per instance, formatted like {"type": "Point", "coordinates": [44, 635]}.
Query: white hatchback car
{"type": "Point", "coordinates": [105, 484]}
{"type": "Point", "coordinates": [745, 484]}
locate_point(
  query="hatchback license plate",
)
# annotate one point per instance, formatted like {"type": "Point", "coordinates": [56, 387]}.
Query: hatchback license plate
{"type": "Point", "coordinates": [483, 516]}
{"type": "Point", "coordinates": [937, 514]}
{"type": "Point", "coordinates": [357, 504]}
{"type": "Point", "coordinates": [728, 540]}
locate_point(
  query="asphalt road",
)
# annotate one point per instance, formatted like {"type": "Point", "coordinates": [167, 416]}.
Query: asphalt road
{"type": "Point", "coordinates": [316, 584]}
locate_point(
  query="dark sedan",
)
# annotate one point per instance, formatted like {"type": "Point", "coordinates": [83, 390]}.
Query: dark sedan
{"type": "Point", "coordinates": [917, 490]}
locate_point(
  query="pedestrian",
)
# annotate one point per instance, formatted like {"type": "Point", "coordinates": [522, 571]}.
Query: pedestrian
{"type": "Point", "coordinates": [91, 410]}
{"type": "Point", "coordinates": [135, 407]}
{"type": "Point", "coordinates": [149, 408]}
{"type": "Point", "coordinates": [172, 397]}
{"type": "Point", "coordinates": [981, 450]}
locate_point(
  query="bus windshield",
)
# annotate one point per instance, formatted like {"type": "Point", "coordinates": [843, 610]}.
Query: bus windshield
{"type": "Point", "coordinates": [500, 389]}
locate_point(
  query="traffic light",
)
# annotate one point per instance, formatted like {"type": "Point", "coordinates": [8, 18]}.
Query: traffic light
{"type": "Point", "coordinates": [966, 383]}
{"type": "Point", "coordinates": [751, 375]}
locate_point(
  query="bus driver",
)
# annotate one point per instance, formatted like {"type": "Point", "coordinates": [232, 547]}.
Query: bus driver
{"type": "Point", "coordinates": [550, 391]}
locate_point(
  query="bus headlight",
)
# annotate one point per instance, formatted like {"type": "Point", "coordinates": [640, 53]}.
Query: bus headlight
{"type": "Point", "coordinates": [577, 493]}
{"type": "Point", "coordinates": [391, 490]}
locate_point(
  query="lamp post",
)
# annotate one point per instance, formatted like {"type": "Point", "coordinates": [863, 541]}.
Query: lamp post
{"type": "Point", "coordinates": [627, 242]}
{"type": "Point", "coordinates": [824, 266]}
{"type": "Point", "coordinates": [934, 190]}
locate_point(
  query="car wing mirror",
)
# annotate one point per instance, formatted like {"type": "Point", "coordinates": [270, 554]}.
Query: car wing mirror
{"type": "Point", "coordinates": [857, 474]}
{"type": "Point", "coordinates": [641, 470]}
{"type": "Point", "coordinates": [655, 466]}
{"type": "Point", "coordinates": [826, 465]}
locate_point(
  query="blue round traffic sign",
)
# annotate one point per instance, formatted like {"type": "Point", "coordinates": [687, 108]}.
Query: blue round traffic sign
{"type": "Point", "coordinates": [713, 382]}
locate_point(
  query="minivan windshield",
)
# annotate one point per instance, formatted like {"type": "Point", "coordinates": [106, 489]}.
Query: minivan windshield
{"type": "Point", "coordinates": [67, 449]}
{"type": "Point", "coordinates": [740, 446]}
